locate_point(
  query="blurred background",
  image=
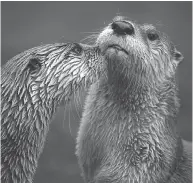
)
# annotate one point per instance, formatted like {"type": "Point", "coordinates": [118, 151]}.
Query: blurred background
{"type": "Point", "coordinates": [28, 24]}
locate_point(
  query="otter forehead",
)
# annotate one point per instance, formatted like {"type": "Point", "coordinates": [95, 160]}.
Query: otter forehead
{"type": "Point", "coordinates": [148, 27]}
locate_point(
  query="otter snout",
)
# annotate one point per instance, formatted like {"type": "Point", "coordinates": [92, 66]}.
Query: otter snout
{"type": "Point", "coordinates": [120, 36]}
{"type": "Point", "coordinates": [122, 28]}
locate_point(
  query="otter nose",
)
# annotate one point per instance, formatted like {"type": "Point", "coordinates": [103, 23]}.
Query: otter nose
{"type": "Point", "coordinates": [122, 28]}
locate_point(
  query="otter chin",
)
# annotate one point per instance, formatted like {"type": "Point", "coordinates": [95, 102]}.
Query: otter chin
{"type": "Point", "coordinates": [128, 132]}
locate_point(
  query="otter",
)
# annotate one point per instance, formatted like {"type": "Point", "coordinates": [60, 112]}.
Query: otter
{"type": "Point", "coordinates": [34, 83]}
{"type": "Point", "coordinates": [128, 131]}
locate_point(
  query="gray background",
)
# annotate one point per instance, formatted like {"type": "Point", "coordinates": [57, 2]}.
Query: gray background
{"type": "Point", "coordinates": [28, 24]}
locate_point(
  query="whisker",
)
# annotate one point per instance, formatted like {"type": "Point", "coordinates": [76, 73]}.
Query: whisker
{"type": "Point", "coordinates": [79, 97]}
{"type": "Point", "coordinates": [76, 104]}
{"type": "Point", "coordinates": [93, 36]}
{"type": "Point", "coordinates": [64, 117]}
{"type": "Point", "coordinates": [69, 119]}
{"type": "Point", "coordinates": [90, 32]}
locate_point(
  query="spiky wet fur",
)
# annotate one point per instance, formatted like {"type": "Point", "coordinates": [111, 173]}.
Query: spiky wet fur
{"type": "Point", "coordinates": [128, 132]}
{"type": "Point", "coordinates": [29, 98]}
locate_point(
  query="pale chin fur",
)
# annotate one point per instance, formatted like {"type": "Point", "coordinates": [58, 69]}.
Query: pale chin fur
{"type": "Point", "coordinates": [107, 39]}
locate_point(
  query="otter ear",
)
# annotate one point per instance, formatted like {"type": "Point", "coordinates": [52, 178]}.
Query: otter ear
{"type": "Point", "coordinates": [34, 65]}
{"type": "Point", "coordinates": [178, 57]}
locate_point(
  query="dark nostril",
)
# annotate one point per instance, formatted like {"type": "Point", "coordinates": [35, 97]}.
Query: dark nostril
{"type": "Point", "coordinates": [122, 28]}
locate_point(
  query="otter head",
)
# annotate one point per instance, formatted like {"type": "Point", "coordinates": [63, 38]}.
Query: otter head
{"type": "Point", "coordinates": [63, 69]}
{"type": "Point", "coordinates": [48, 73]}
{"type": "Point", "coordinates": [137, 54]}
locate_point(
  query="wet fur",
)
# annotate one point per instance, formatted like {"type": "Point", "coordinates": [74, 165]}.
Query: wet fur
{"type": "Point", "coordinates": [34, 83]}
{"type": "Point", "coordinates": [128, 131]}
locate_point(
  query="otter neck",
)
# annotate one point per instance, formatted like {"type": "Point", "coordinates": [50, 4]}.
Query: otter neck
{"type": "Point", "coordinates": [25, 123]}
{"type": "Point", "coordinates": [128, 93]}
{"type": "Point", "coordinates": [134, 91]}
{"type": "Point", "coordinates": [146, 109]}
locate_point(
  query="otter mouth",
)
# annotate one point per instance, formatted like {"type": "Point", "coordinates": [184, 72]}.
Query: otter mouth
{"type": "Point", "coordinates": [118, 47]}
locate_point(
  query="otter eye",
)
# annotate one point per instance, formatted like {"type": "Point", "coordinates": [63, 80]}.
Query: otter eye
{"type": "Point", "coordinates": [152, 36]}
{"type": "Point", "coordinates": [77, 49]}
{"type": "Point", "coordinates": [34, 65]}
